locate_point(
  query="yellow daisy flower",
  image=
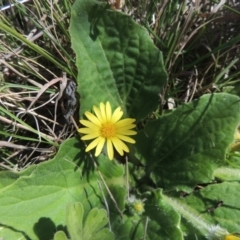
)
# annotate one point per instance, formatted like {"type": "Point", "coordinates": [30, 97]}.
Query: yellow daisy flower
{"type": "Point", "coordinates": [106, 127]}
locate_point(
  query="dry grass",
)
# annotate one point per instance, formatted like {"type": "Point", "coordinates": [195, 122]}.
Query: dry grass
{"type": "Point", "coordinates": [200, 43]}
{"type": "Point", "coordinates": [33, 97]}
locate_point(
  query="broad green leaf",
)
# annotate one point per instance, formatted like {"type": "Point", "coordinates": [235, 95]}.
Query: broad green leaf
{"type": "Point", "coordinates": [164, 220]}
{"type": "Point", "coordinates": [196, 215]}
{"type": "Point", "coordinates": [216, 204]}
{"type": "Point", "coordinates": [184, 148]}
{"type": "Point", "coordinates": [116, 59]}
{"type": "Point", "coordinates": [33, 202]}
{"type": "Point", "coordinates": [227, 174]}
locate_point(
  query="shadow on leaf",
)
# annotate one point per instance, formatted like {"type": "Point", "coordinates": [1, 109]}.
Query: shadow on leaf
{"type": "Point", "coordinates": [45, 228]}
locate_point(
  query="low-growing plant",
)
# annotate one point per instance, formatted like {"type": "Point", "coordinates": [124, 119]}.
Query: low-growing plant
{"type": "Point", "coordinates": [179, 176]}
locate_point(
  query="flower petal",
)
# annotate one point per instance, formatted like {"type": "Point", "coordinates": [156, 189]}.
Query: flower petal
{"type": "Point", "coordinates": [92, 118]}
{"type": "Point", "coordinates": [98, 113]}
{"type": "Point", "coordinates": [89, 124]}
{"type": "Point", "coordinates": [117, 114]}
{"type": "Point", "coordinates": [117, 146]}
{"type": "Point", "coordinates": [125, 138]}
{"type": "Point", "coordinates": [128, 127]}
{"type": "Point", "coordinates": [120, 146]}
{"type": "Point", "coordinates": [125, 129]}
{"type": "Point", "coordinates": [125, 122]}
{"type": "Point", "coordinates": [86, 130]}
{"type": "Point", "coordinates": [103, 112]}
{"type": "Point", "coordinates": [109, 149]}
{"type": "Point", "coordinates": [123, 145]}
{"type": "Point", "coordinates": [108, 111]}
{"type": "Point", "coordinates": [99, 147]}
{"type": "Point", "coordinates": [90, 136]}
{"type": "Point", "coordinates": [127, 132]}
{"type": "Point", "coordinates": [93, 144]}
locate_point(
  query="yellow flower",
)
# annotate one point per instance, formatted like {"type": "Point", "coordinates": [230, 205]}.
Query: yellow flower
{"type": "Point", "coordinates": [232, 237]}
{"type": "Point", "coordinates": [138, 207]}
{"type": "Point", "coordinates": [106, 127]}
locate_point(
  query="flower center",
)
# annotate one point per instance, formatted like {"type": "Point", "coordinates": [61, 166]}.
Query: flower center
{"type": "Point", "coordinates": [138, 207]}
{"type": "Point", "coordinates": [108, 130]}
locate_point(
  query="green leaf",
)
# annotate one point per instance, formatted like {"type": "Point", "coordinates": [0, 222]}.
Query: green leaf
{"type": "Point", "coordinates": [116, 59]}
{"type": "Point", "coordinates": [160, 221]}
{"type": "Point", "coordinates": [164, 219]}
{"type": "Point", "coordinates": [132, 227]}
{"type": "Point", "coordinates": [184, 148]}
{"type": "Point", "coordinates": [33, 202]}
{"type": "Point", "coordinates": [103, 234]}
{"type": "Point", "coordinates": [193, 216]}
{"type": "Point", "coordinates": [227, 174]}
{"type": "Point", "coordinates": [216, 204]}
{"type": "Point", "coordinates": [60, 235]}
{"type": "Point", "coordinates": [74, 220]}
{"type": "Point", "coordinates": [93, 225]}
{"type": "Point", "coordinates": [95, 220]}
